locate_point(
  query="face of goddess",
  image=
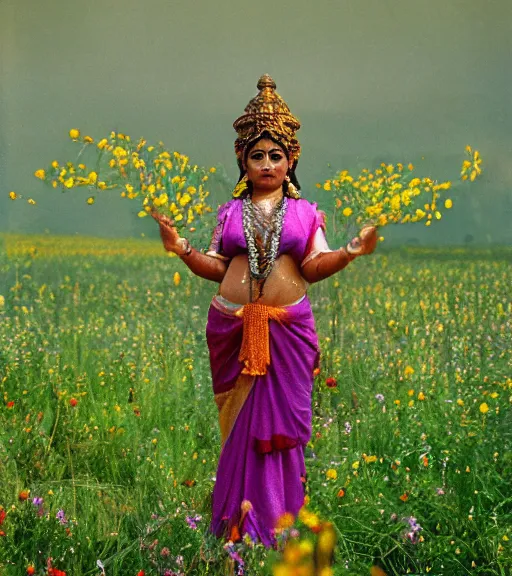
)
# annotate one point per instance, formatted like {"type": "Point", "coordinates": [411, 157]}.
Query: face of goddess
{"type": "Point", "coordinates": [266, 165]}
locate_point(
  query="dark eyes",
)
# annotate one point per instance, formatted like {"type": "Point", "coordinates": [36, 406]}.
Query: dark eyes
{"type": "Point", "coordinates": [259, 156]}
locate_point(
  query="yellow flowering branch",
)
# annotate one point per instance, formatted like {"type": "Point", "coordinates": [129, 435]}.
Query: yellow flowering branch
{"type": "Point", "coordinates": [159, 179]}
{"type": "Point", "coordinates": [391, 195]}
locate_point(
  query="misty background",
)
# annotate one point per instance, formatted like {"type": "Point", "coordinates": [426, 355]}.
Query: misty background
{"type": "Point", "coordinates": [370, 81]}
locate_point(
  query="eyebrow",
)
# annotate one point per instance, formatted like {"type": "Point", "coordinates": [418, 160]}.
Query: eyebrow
{"type": "Point", "coordinates": [270, 151]}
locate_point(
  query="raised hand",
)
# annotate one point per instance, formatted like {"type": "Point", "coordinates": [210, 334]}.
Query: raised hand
{"type": "Point", "coordinates": [170, 238]}
{"type": "Point", "coordinates": [365, 243]}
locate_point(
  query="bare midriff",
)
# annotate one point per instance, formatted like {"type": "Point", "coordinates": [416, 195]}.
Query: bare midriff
{"type": "Point", "coordinates": [284, 285]}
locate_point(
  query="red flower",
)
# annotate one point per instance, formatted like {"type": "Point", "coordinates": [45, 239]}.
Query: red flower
{"type": "Point", "coordinates": [73, 402]}
{"type": "Point", "coordinates": [2, 533]}
{"type": "Point", "coordinates": [55, 572]}
{"type": "Point", "coordinates": [331, 382]}
{"type": "Point", "coordinates": [2, 516]}
{"type": "Point", "coordinates": [141, 573]}
{"type": "Point", "coordinates": [316, 371]}
{"type": "Point", "coordinates": [31, 570]}
{"type": "Point", "coordinates": [10, 404]}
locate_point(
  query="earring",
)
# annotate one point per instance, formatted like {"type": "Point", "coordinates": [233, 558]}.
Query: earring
{"type": "Point", "coordinates": [241, 187]}
{"type": "Point", "coordinates": [292, 191]}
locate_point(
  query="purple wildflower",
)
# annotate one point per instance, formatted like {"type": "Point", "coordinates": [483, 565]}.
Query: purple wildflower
{"type": "Point", "coordinates": [61, 517]}
{"type": "Point", "coordinates": [348, 428]}
{"type": "Point", "coordinates": [38, 501]}
{"type": "Point", "coordinates": [413, 534]}
{"type": "Point", "coordinates": [192, 521]}
{"type": "Point", "coordinates": [440, 491]}
{"type": "Point", "coordinates": [379, 398]}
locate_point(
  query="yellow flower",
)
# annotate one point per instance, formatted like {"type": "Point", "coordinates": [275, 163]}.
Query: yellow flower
{"type": "Point", "coordinates": [88, 140]}
{"type": "Point", "coordinates": [69, 183]}
{"type": "Point", "coordinates": [74, 133]}
{"type": "Point", "coordinates": [327, 185]}
{"type": "Point", "coordinates": [369, 459]}
{"type": "Point", "coordinates": [484, 408]}
{"type": "Point", "coordinates": [213, 170]}
{"type": "Point", "coordinates": [421, 396]}
{"type": "Point", "coordinates": [13, 195]}
{"type": "Point", "coordinates": [90, 200]}
{"type": "Point", "coordinates": [40, 174]}
{"type": "Point", "coordinates": [355, 465]}
{"type": "Point", "coordinates": [331, 474]}
{"type": "Point", "coordinates": [460, 402]}
{"type": "Point", "coordinates": [347, 211]}
{"type": "Point", "coordinates": [176, 278]}
{"type": "Point", "coordinates": [185, 199]}
{"type": "Point", "coordinates": [409, 371]}
{"type": "Point", "coordinates": [102, 143]}
{"type": "Point", "coordinates": [142, 213]}
{"type": "Point", "coordinates": [2, 301]}
{"type": "Point", "coordinates": [93, 177]}
{"type": "Point", "coordinates": [30, 201]}
{"type": "Point", "coordinates": [448, 203]}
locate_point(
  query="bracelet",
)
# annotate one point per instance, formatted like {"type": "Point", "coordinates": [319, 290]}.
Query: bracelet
{"type": "Point", "coordinates": [186, 246]}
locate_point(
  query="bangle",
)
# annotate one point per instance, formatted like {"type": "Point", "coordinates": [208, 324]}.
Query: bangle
{"type": "Point", "coordinates": [187, 248]}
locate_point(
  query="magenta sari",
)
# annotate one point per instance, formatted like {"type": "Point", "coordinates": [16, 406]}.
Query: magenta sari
{"type": "Point", "coordinates": [266, 419]}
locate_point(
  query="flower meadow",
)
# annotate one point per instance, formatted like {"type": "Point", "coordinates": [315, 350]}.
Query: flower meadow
{"type": "Point", "coordinates": [108, 429]}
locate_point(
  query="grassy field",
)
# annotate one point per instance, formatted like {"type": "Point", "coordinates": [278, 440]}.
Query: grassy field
{"type": "Point", "coordinates": [108, 428]}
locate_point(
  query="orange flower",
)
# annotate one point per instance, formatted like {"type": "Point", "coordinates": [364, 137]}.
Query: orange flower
{"type": "Point", "coordinates": [31, 570]}
{"type": "Point", "coordinates": [73, 402]}
{"type": "Point", "coordinates": [285, 521]}
{"type": "Point", "coordinates": [404, 497]}
{"type": "Point", "coordinates": [23, 495]}
{"type": "Point", "coordinates": [341, 493]}
{"type": "Point", "coordinates": [10, 404]}
{"type": "Point", "coordinates": [235, 534]}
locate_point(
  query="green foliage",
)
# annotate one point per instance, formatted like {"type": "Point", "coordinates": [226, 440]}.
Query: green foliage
{"type": "Point", "coordinates": [107, 414]}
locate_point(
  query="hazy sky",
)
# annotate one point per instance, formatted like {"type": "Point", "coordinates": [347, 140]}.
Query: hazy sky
{"type": "Point", "coordinates": [393, 80]}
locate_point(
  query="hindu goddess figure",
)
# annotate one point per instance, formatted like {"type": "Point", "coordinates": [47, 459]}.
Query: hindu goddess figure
{"type": "Point", "coordinates": [268, 246]}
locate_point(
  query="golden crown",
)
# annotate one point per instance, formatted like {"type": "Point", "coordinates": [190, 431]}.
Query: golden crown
{"type": "Point", "coordinates": [267, 112]}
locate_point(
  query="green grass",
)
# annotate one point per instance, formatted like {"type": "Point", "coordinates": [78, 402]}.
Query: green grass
{"type": "Point", "coordinates": [136, 455]}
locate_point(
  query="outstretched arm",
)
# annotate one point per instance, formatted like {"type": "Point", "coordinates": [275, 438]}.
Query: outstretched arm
{"type": "Point", "coordinates": [323, 262]}
{"type": "Point", "coordinates": [202, 265]}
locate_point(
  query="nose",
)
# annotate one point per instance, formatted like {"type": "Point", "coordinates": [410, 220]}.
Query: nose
{"type": "Point", "coordinates": [267, 164]}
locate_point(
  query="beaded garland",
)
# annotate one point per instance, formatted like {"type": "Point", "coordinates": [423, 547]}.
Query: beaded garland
{"type": "Point", "coordinates": [260, 270]}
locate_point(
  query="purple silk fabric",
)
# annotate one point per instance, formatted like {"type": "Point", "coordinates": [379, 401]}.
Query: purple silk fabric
{"type": "Point", "coordinates": [263, 458]}
{"type": "Point", "coordinates": [301, 221]}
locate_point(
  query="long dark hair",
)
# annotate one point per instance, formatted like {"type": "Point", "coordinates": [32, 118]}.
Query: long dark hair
{"type": "Point", "coordinates": [291, 170]}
